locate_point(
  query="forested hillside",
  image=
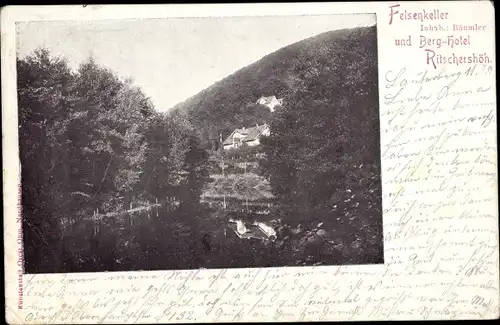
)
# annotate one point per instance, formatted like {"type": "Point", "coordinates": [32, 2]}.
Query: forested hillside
{"type": "Point", "coordinates": [322, 157]}
{"type": "Point", "coordinates": [323, 154]}
{"type": "Point", "coordinates": [313, 64]}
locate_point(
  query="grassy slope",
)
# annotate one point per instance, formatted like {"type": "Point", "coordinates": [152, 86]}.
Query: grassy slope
{"type": "Point", "coordinates": [239, 186]}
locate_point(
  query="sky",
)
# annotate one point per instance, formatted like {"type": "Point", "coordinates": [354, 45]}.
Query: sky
{"type": "Point", "coordinates": [172, 59]}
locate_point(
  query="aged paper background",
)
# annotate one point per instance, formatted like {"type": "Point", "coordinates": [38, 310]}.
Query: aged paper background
{"type": "Point", "coordinates": [439, 192]}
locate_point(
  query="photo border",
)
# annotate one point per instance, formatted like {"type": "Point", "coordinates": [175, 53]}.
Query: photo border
{"type": "Point", "coordinates": [10, 155]}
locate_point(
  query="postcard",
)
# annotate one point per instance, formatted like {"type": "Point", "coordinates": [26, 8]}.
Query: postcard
{"type": "Point", "coordinates": [250, 162]}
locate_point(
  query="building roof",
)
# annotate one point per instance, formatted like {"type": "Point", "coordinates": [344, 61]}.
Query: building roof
{"type": "Point", "coordinates": [269, 100]}
{"type": "Point", "coordinates": [249, 134]}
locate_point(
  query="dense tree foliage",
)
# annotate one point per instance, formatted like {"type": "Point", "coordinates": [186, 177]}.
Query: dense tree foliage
{"type": "Point", "coordinates": [92, 143]}
{"type": "Point", "coordinates": [323, 153]}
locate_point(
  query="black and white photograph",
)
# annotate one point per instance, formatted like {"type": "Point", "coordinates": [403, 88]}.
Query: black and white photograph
{"type": "Point", "coordinates": [199, 143]}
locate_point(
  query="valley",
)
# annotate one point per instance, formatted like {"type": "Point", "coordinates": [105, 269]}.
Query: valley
{"type": "Point", "coordinates": [277, 164]}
